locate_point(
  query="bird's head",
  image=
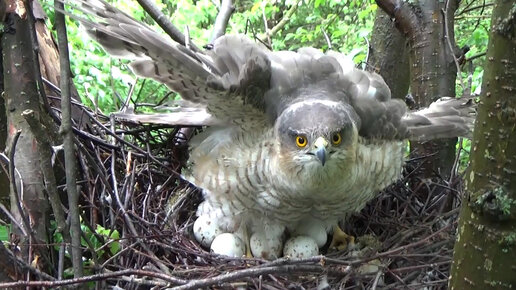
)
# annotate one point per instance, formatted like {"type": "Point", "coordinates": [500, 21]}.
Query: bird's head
{"type": "Point", "coordinates": [315, 132]}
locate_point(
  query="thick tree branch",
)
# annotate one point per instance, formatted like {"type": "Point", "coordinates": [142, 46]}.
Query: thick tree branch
{"type": "Point", "coordinates": [405, 18]}
{"type": "Point", "coordinates": [221, 22]}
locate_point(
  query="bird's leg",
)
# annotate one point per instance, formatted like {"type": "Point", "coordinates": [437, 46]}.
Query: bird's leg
{"type": "Point", "coordinates": [247, 241]}
{"type": "Point", "coordinates": [341, 240]}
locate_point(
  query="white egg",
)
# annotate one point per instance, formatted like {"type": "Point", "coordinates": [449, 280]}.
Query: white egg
{"type": "Point", "coordinates": [314, 229]}
{"type": "Point", "coordinates": [301, 247]}
{"type": "Point", "coordinates": [205, 230]}
{"type": "Point", "coordinates": [265, 246]}
{"type": "Point", "coordinates": [229, 245]}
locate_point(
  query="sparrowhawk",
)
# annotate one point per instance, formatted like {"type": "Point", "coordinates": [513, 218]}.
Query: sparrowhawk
{"type": "Point", "coordinates": [298, 140]}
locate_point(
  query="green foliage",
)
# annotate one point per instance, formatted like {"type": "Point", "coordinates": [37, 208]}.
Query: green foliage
{"type": "Point", "coordinates": [4, 233]}
{"type": "Point", "coordinates": [472, 30]}
{"type": "Point", "coordinates": [464, 153]}
{"type": "Point", "coordinates": [104, 242]}
{"type": "Point", "coordinates": [110, 236]}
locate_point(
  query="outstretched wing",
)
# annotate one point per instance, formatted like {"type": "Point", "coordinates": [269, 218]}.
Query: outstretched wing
{"type": "Point", "coordinates": [444, 118]}
{"type": "Point", "coordinates": [239, 81]}
{"type": "Point", "coordinates": [223, 79]}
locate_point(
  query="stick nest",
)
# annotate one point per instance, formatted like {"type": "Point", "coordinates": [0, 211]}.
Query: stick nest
{"type": "Point", "coordinates": [132, 185]}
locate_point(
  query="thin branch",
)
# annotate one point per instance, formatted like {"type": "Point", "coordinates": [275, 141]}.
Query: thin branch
{"type": "Point", "coordinates": [266, 26]}
{"type": "Point", "coordinates": [466, 10]}
{"type": "Point", "coordinates": [449, 41]}
{"type": "Point", "coordinates": [66, 130]}
{"type": "Point", "coordinates": [473, 57]}
{"type": "Point", "coordinates": [282, 22]}
{"type": "Point", "coordinates": [255, 272]}
{"type": "Point", "coordinates": [164, 23]}
{"type": "Point", "coordinates": [91, 278]}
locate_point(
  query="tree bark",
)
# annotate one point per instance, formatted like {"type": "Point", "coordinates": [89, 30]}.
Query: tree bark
{"type": "Point", "coordinates": [388, 55]}
{"type": "Point", "coordinates": [21, 93]}
{"type": "Point", "coordinates": [485, 250]}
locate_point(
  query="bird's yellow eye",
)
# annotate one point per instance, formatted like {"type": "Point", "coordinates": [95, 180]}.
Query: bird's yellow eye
{"type": "Point", "coordinates": [336, 139]}
{"type": "Point", "coordinates": [301, 141]}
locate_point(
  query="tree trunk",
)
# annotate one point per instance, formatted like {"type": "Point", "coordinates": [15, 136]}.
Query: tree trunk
{"type": "Point", "coordinates": [4, 181]}
{"type": "Point", "coordinates": [485, 250]}
{"type": "Point", "coordinates": [21, 93]}
{"type": "Point", "coordinates": [388, 55]}
{"type": "Point", "coordinates": [433, 74]}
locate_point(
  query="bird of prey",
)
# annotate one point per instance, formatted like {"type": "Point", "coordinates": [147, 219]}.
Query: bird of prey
{"type": "Point", "coordinates": [298, 140]}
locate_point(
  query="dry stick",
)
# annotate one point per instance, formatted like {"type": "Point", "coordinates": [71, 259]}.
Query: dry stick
{"type": "Point", "coordinates": [68, 141]}
{"type": "Point", "coordinates": [13, 220]}
{"type": "Point", "coordinates": [255, 272]}
{"type": "Point", "coordinates": [402, 248]}
{"type": "Point", "coordinates": [92, 278]}
{"type": "Point", "coordinates": [126, 216]}
{"type": "Point", "coordinates": [97, 140]}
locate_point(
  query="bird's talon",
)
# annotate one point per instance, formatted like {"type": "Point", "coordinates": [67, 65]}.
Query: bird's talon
{"type": "Point", "coordinates": [341, 240]}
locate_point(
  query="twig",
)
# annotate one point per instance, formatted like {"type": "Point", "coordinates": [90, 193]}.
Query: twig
{"type": "Point", "coordinates": [255, 272]}
{"type": "Point", "coordinates": [91, 278]}
{"type": "Point", "coordinates": [473, 57]}
{"type": "Point", "coordinates": [282, 22]}
{"type": "Point", "coordinates": [163, 22]}
{"type": "Point", "coordinates": [13, 220]}
{"type": "Point", "coordinates": [328, 40]}
{"type": "Point", "coordinates": [449, 41]}
{"type": "Point", "coordinates": [466, 10]}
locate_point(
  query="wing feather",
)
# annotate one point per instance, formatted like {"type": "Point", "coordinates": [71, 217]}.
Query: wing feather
{"type": "Point", "coordinates": [240, 82]}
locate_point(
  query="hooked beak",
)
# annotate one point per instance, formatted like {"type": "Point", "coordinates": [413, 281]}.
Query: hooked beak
{"type": "Point", "coordinates": [320, 145]}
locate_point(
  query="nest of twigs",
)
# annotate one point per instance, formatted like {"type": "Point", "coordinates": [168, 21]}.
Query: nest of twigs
{"type": "Point", "coordinates": [132, 184]}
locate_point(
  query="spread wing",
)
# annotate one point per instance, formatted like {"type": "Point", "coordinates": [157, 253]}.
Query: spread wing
{"type": "Point", "coordinates": [240, 82]}
{"type": "Point", "coordinates": [224, 79]}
